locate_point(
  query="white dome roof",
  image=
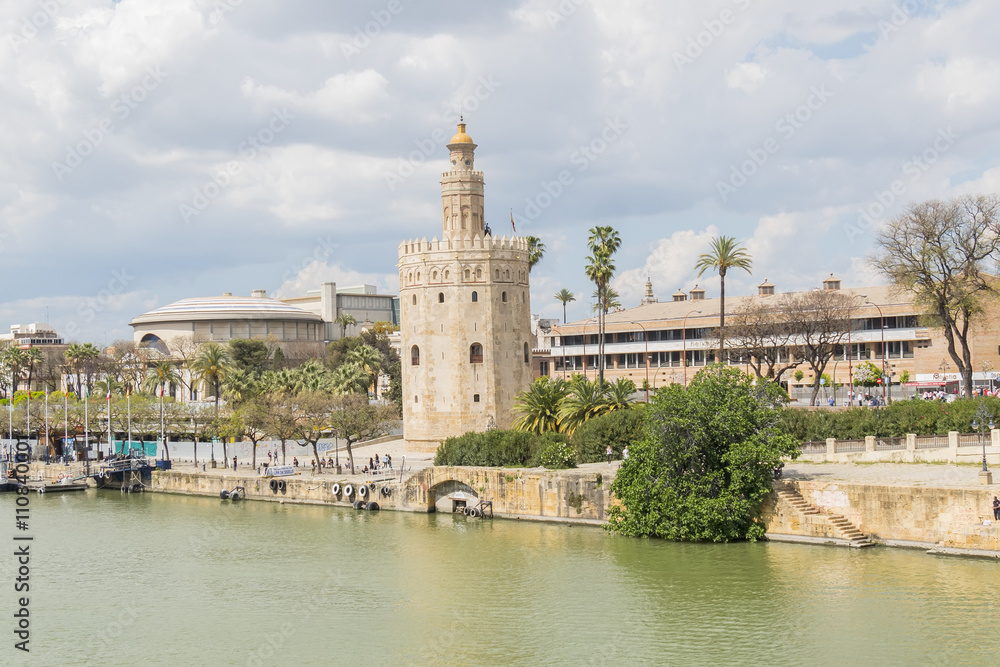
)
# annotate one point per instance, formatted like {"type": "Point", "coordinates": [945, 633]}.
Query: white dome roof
{"type": "Point", "coordinates": [226, 307]}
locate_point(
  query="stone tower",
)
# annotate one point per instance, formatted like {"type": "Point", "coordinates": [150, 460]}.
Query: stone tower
{"type": "Point", "coordinates": [466, 315]}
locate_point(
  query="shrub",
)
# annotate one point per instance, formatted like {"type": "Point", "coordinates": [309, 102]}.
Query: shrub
{"type": "Point", "coordinates": [495, 448]}
{"type": "Point", "coordinates": [618, 429]}
{"type": "Point", "coordinates": [557, 455]}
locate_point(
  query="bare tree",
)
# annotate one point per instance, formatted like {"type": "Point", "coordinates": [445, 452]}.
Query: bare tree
{"type": "Point", "coordinates": [354, 419]}
{"type": "Point", "coordinates": [760, 332]}
{"type": "Point", "coordinates": [820, 324]}
{"type": "Point", "coordinates": [939, 251]}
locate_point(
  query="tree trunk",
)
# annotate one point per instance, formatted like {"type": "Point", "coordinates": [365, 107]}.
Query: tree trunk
{"type": "Point", "coordinates": [350, 455]}
{"type": "Point", "coordinates": [722, 316]}
{"type": "Point", "coordinates": [284, 461]}
{"type": "Point", "coordinates": [253, 455]}
{"type": "Point", "coordinates": [319, 467]}
{"type": "Point", "coordinates": [196, 452]}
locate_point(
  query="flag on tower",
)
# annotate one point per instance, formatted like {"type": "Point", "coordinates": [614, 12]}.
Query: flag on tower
{"type": "Point", "coordinates": [512, 221]}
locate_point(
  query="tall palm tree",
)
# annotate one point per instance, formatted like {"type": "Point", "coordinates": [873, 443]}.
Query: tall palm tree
{"type": "Point", "coordinates": [345, 320]}
{"type": "Point", "coordinates": [79, 356]}
{"type": "Point", "coordinates": [158, 377]}
{"type": "Point", "coordinates": [240, 385]}
{"type": "Point", "coordinates": [565, 296]}
{"type": "Point", "coordinates": [536, 250]}
{"type": "Point", "coordinates": [370, 359]}
{"type": "Point", "coordinates": [726, 253]}
{"type": "Point", "coordinates": [211, 364]}
{"type": "Point", "coordinates": [586, 399]}
{"type": "Point", "coordinates": [13, 360]}
{"type": "Point", "coordinates": [32, 357]}
{"type": "Point", "coordinates": [606, 300]}
{"type": "Point", "coordinates": [603, 243]}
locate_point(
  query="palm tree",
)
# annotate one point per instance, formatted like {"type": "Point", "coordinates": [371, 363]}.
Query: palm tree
{"type": "Point", "coordinates": [607, 300]}
{"type": "Point", "coordinates": [586, 399]}
{"type": "Point", "coordinates": [310, 377]}
{"type": "Point", "coordinates": [240, 385]}
{"type": "Point", "coordinates": [369, 359]}
{"type": "Point", "coordinates": [159, 375]}
{"type": "Point", "coordinates": [13, 359]}
{"type": "Point", "coordinates": [725, 254]}
{"type": "Point", "coordinates": [78, 356]}
{"type": "Point", "coordinates": [350, 378]}
{"type": "Point", "coordinates": [211, 364]}
{"type": "Point", "coordinates": [539, 406]}
{"type": "Point", "coordinates": [345, 320]}
{"type": "Point", "coordinates": [32, 356]}
{"type": "Point", "coordinates": [536, 250]}
{"type": "Point", "coordinates": [603, 243]}
{"type": "Point", "coordinates": [565, 296]}
{"type": "Point", "coordinates": [619, 394]}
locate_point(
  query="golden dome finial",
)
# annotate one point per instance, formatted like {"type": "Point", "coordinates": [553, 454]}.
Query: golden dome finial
{"type": "Point", "coordinates": [461, 137]}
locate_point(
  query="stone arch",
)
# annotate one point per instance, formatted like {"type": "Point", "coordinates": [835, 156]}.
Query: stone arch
{"type": "Point", "coordinates": [414, 356]}
{"type": "Point", "coordinates": [439, 496]}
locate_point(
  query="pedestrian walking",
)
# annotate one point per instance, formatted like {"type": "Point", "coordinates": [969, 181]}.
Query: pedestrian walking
{"type": "Point", "coordinates": [625, 453]}
{"type": "Point", "coordinates": [996, 508]}
{"type": "Point", "coordinates": [608, 452]}
{"type": "Point", "coordinates": [234, 463]}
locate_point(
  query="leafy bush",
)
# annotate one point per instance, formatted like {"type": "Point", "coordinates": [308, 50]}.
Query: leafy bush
{"type": "Point", "coordinates": [557, 455]}
{"type": "Point", "coordinates": [618, 429]}
{"type": "Point", "coordinates": [495, 448]}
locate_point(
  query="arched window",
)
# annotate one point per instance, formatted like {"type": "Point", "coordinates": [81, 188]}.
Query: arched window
{"type": "Point", "coordinates": [414, 299]}
{"type": "Point", "coordinates": [497, 274]}
{"type": "Point", "coordinates": [475, 297]}
{"type": "Point", "coordinates": [475, 353]}
{"type": "Point", "coordinates": [468, 274]}
{"type": "Point", "coordinates": [414, 356]}
{"type": "Point", "coordinates": [434, 275]}
{"type": "Point", "coordinates": [506, 274]}
{"type": "Point", "coordinates": [503, 297]}
{"type": "Point", "coordinates": [447, 275]}
{"type": "Point", "coordinates": [479, 274]}
{"type": "Point", "coordinates": [527, 354]}
{"type": "Point", "coordinates": [418, 276]}
{"type": "Point", "coordinates": [440, 297]}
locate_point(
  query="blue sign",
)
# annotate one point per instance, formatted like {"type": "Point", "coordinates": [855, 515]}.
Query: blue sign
{"type": "Point", "coordinates": [280, 471]}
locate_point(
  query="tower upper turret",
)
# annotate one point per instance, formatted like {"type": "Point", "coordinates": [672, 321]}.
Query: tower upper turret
{"type": "Point", "coordinates": [462, 190]}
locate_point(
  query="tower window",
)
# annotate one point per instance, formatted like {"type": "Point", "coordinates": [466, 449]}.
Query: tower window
{"type": "Point", "coordinates": [475, 297]}
{"type": "Point", "coordinates": [479, 274]}
{"type": "Point", "coordinates": [414, 356]}
{"type": "Point", "coordinates": [414, 299]}
{"type": "Point", "coordinates": [527, 354]}
{"type": "Point", "coordinates": [503, 297]}
{"type": "Point", "coordinates": [440, 297]}
{"type": "Point", "coordinates": [497, 274]}
{"type": "Point", "coordinates": [468, 274]}
{"type": "Point", "coordinates": [475, 398]}
{"type": "Point", "coordinates": [475, 353]}
{"type": "Point", "coordinates": [416, 399]}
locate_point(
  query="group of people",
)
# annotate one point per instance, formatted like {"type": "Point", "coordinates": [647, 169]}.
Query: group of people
{"type": "Point", "coordinates": [860, 400]}
{"type": "Point", "coordinates": [610, 453]}
{"type": "Point", "coordinates": [374, 463]}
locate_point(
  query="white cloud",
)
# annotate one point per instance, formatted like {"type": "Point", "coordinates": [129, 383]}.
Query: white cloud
{"type": "Point", "coordinates": [318, 272]}
{"type": "Point", "coordinates": [351, 97]}
{"type": "Point", "coordinates": [747, 76]}
{"type": "Point", "coordinates": [669, 266]}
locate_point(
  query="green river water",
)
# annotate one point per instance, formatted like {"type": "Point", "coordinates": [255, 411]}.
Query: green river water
{"type": "Point", "coordinates": [158, 579]}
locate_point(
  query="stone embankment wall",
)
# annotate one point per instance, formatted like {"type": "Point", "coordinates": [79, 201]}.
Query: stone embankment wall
{"type": "Point", "coordinates": [893, 514]}
{"type": "Point", "coordinates": [951, 448]}
{"type": "Point", "coordinates": [567, 495]}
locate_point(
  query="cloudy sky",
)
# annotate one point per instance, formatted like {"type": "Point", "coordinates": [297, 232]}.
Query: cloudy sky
{"type": "Point", "coordinates": [161, 149]}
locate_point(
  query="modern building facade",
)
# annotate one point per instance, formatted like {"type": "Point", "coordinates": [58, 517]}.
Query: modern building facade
{"type": "Point", "coordinates": [362, 302]}
{"type": "Point", "coordinates": [664, 342]}
{"type": "Point", "coordinates": [466, 315]}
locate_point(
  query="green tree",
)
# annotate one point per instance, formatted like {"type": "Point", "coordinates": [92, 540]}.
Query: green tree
{"type": "Point", "coordinates": [345, 320]}
{"type": "Point", "coordinates": [249, 355]}
{"type": "Point", "coordinates": [211, 365]}
{"type": "Point", "coordinates": [13, 360]}
{"type": "Point", "coordinates": [539, 406]}
{"type": "Point", "coordinates": [584, 400]}
{"type": "Point", "coordinates": [536, 250]}
{"type": "Point", "coordinates": [354, 418]}
{"type": "Point", "coordinates": [80, 356]}
{"type": "Point", "coordinates": [603, 243]}
{"type": "Point", "coordinates": [565, 296]}
{"type": "Point", "coordinates": [619, 429]}
{"type": "Point", "coordinates": [724, 255]}
{"type": "Point", "coordinates": [370, 360]}
{"type": "Point", "coordinates": [704, 466]}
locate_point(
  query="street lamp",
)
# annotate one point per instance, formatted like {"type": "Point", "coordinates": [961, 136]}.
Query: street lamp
{"type": "Point", "coordinates": [645, 339]}
{"type": "Point", "coordinates": [882, 327]}
{"type": "Point", "coordinates": [684, 360]}
{"type": "Point", "coordinates": [979, 421]}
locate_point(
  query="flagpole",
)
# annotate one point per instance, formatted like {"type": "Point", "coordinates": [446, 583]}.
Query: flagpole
{"type": "Point", "coordinates": [65, 424]}
{"type": "Point", "coordinates": [128, 400]}
{"type": "Point", "coordinates": [86, 421]}
{"type": "Point", "coordinates": [46, 425]}
{"type": "Point", "coordinates": [111, 442]}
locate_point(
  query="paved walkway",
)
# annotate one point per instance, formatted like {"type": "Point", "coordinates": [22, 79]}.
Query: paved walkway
{"type": "Point", "coordinates": [911, 474]}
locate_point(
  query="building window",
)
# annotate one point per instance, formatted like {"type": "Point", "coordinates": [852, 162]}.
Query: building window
{"type": "Point", "coordinates": [527, 354]}
{"type": "Point", "coordinates": [414, 299]}
{"type": "Point", "coordinates": [468, 274]}
{"type": "Point", "coordinates": [414, 356]}
{"type": "Point", "coordinates": [434, 275]}
{"type": "Point", "coordinates": [479, 274]}
{"type": "Point", "coordinates": [503, 297]}
{"type": "Point", "coordinates": [475, 297]}
{"type": "Point", "coordinates": [475, 398]}
{"type": "Point", "coordinates": [416, 399]}
{"type": "Point", "coordinates": [440, 297]}
{"type": "Point", "coordinates": [475, 353]}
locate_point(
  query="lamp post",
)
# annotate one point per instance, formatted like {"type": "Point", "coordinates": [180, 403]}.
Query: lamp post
{"type": "Point", "coordinates": [881, 322]}
{"type": "Point", "coordinates": [982, 420]}
{"type": "Point", "coordinates": [684, 359]}
{"type": "Point", "coordinates": [645, 339]}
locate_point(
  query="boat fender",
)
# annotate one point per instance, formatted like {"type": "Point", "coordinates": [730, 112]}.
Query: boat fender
{"type": "Point", "coordinates": [348, 490]}
{"type": "Point", "coordinates": [335, 489]}
{"type": "Point", "coordinates": [236, 495]}
{"type": "Point", "coordinates": [371, 486]}
{"type": "Point", "coordinates": [363, 491]}
{"type": "Point", "coordinates": [282, 486]}
{"type": "Point", "coordinates": [274, 486]}
{"type": "Point", "coordinates": [372, 506]}
{"type": "Point", "coordinates": [359, 504]}
{"type": "Point", "coordinates": [224, 494]}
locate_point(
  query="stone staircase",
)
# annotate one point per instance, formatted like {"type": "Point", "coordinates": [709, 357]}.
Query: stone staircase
{"type": "Point", "coordinates": [842, 528]}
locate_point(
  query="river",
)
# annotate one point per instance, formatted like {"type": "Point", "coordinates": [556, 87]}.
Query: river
{"type": "Point", "coordinates": [151, 578]}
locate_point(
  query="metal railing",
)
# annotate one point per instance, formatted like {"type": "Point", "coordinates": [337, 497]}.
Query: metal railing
{"type": "Point", "coordinates": [970, 440]}
{"type": "Point", "coordinates": [889, 444]}
{"type": "Point", "coordinates": [814, 447]}
{"type": "Point", "coordinates": [931, 441]}
{"type": "Point", "coordinates": [849, 446]}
